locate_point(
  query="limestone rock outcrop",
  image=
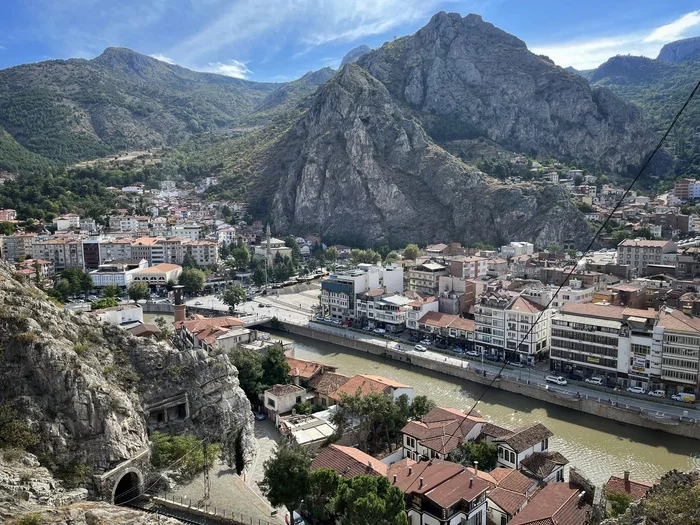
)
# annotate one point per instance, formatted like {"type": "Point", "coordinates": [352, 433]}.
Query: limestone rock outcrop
{"type": "Point", "coordinates": [358, 169]}
{"type": "Point", "coordinates": [84, 385]}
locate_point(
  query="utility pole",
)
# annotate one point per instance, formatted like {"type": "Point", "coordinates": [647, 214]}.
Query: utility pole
{"type": "Point", "coordinates": [207, 483]}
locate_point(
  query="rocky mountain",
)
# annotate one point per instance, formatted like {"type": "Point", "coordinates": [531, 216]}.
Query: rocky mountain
{"type": "Point", "coordinates": [354, 54]}
{"type": "Point", "coordinates": [84, 386]}
{"type": "Point", "coordinates": [68, 110]}
{"type": "Point", "coordinates": [626, 70]}
{"type": "Point", "coordinates": [680, 50]}
{"type": "Point", "coordinates": [357, 168]}
{"type": "Point", "coordinates": [464, 79]}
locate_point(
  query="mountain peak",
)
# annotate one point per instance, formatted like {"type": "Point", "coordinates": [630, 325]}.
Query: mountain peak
{"type": "Point", "coordinates": [354, 54]}
{"type": "Point", "coordinates": [680, 50]}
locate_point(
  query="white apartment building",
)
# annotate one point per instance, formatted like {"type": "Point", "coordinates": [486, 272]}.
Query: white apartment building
{"type": "Point", "coordinates": [70, 221]}
{"type": "Point", "coordinates": [504, 326]}
{"type": "Point", "coordinates": [192, 232]}
{"type": "Point", "coordinates": [158, 275]}
{"type": "Point", "coordinates": [418, 308]}
{"type": "Point", "coordinates": [680, 365]}
{"type": "Point", "coordinates": [380, 309]}
{"type": "Point", "coordinates": [128, 223]}
{"type": "Point", "coordinates": [120, 273]}
{"type": "Point", "coordinates": [115, 249]}
{"type": "Point", "coordinates": [468, 267]}
{"type": "Point", "coordinates": [205, 253]}
{"type": "Point", "coordinates": [63, 252]}
{"type": "Point", "coordinates": [515, 249]}
{"type": "Point", "coordinates": [18, 247]}
{"type": "Point", "coordinates": [339, 290]}
{"type": "Point", "coordinates": [639, 253]}
{"type": "Point", "coordinates": [574, 293]}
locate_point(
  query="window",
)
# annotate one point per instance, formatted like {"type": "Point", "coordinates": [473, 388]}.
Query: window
{"type": "Point", "coordinates": [545, 444]}
{"type": "Point", "coordinates": [298, 399]}
{"type": "Point", "coordinates": [270, 402]}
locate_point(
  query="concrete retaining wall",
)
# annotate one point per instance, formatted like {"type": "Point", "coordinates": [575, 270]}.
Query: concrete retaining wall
{"type": "Point", "coordinates": [589, 405]}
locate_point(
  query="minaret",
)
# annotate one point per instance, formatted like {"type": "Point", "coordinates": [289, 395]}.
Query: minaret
{"type": "Point", "coordinates": [268, 249]}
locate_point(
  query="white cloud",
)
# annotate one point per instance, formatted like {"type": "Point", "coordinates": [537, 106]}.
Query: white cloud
{"type": "Point", "coordinates": [230, 68]}
{"type": "Point", "coordinates": [247, 23]}
{"type": "Point", "coordinates": [162, 58]}
{"type": "Point", "coordinates": [588, 54]}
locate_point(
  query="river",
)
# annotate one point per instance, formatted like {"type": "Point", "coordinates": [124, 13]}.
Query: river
{"type": "Point", "coordinates": [598, 447]}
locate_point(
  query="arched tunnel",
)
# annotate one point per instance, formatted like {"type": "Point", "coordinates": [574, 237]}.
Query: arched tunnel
{"type": "Point", "coordinates": [128, 488]}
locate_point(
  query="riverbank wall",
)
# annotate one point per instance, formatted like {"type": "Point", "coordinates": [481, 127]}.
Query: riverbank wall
{"type": "Point", "coordinates": [600, 406]}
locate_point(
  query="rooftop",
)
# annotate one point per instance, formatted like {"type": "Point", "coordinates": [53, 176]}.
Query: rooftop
{"type": "Point", "coordinates": [327, 382]}
{"type": "Point", "coordinates": [442, 429]}
{"type": "Point", "coordinates": [521, 440]}
{"type": "Point", "coordinates": [303, 369]}
{"type": "Point", "coordinates": [283, 390]}
{"type": "Point", "coordinates": [348, 462]}
{"type": "Point", "coordinates": [542, 464]}
{"type": "Point", "coordinates": [158, 268]}
{"type": "Point", "coordinates": [636, 489]}
{"type": "Point", "coordinates": [555, 504]}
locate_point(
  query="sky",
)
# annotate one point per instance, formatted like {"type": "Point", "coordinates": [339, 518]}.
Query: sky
{"type": "Point", "coordinates": [279, 40]}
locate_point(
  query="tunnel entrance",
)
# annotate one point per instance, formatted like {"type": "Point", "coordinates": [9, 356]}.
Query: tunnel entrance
{"type": "Point", "coordinates": [128, 489]}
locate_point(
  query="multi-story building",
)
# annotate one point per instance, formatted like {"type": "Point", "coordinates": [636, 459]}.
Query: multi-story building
{"type": "Point", "coordinates": [120, 273]}
{"type": "Point", "coordinates": [680, 365]}
{"type": "Point", "coordinates": [425, 278]}
{"type": "Point", "coordinates": [192, 232]}
{"type": "Point", "coordinates": [64, 252]}
{"type": "Point", "coordinates": [381, 309]}
{"type": "Point", "coordinates": [144, 248]}
{"type": "Point", "coordinates": [510, 325]}
{"type": "Point", "coordinates": [115, 249]}
{"type": "Point", "coordinates": [468, 267]}
{"type": "Point", "coordinates": [575, 293]}
{"type": "Point", "coordinates": [418, 308]}
{"type": "Point", "coordinates": [158, 275]}
{"type": "Point", "coordinates": [638, 253]}
{"type": "Point", "coordinates": [8, 215]}
{"type": "Point", "coordinates": [17, 247]}
{"type": "Point", "coordinates": [514, 249]}
{"type": "Point", "coordinates": [205, 253]}
{"type": "Point", "coordinates": [128, 223]}
{"type": "Point", "coordinates": [91, 253]}
{"type": "Point", "coordinates": [69, 221]}
{"type": "Point", "coordinates": [339, 290]}
{"type": "Point", "coordinates": [687, 189]}
{"type": "Point", "coordinates": [40, 268]}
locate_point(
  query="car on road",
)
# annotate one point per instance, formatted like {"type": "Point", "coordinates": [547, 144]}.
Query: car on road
{"type": "Point", "coordinates": [420, 348]}
{"type": "Point", "coordinates": [426, 342]}
{"type": "Point", "coordinates": [684, 397]}
{"type": "Point", "coordinates": [492, 357]}
{"type": "Point", "coordinates": [575, 376]}
{"type": "Point", "coordinates": [594, 380]}
{"type": "Point", "coordinates": [379, 331]}
{"type": "Point", "coordinates": [519, 364]}
{"type": "Point", "coordinates": [457, 350]}
{"type": "Point", "coordinates": [259, 416]}
{"type": "Point", "coordinates": [414, 339]}
{"type": "Point", "coordinates": [558, 380]}
{"type": "Point", "coordinates": [198, 303]}
{"type": "Point", "coordinates": [261, 305]}
{"type": "Point", "coordinates": [657, 393]}
{"type": "Point", "coordinates": [636, 390]}
{"type": "Point", "coordinates": [268, 305]}
{"type": "Point", "coordinates": [472, 353]}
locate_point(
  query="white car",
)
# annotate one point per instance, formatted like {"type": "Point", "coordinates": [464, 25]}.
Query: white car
{"type": "Point", "coordinates": [559, 380]}
{"type": "Point", "coordinates": [298, 519]}
{"type": "Point", "coordinates": [636, 390]}
{"type": "Point", "coordinates": [594, 381]}
{"type": "Point", "coordinates": [426, 342]}
{"type": "Point", "coordinates": [379, 331]}
{"type": "Point", "coordinates": [420, 348]}
{"type": "Point", "coordinates": [198, 303]}
{"type": "Point", "coordinates": [472, 353]}
{"type": "Point", "coordinates": [657, 393]}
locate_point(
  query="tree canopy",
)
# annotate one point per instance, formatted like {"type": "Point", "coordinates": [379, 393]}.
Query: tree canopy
{"type": "Point", "coordinates": [286, 481]}
{"type": "Point", "coordinates": [138, 291]}
{"type": "Point", "coordinates": [370, 499]}
{"type": "Point", "coordinates": [467, 453]}
{"type": "Point", "coordinates": [233, 295]}
{"type": "Point", "coordinates": [411, 251]}
{"type": "Point", "coordinates": [192, 279]}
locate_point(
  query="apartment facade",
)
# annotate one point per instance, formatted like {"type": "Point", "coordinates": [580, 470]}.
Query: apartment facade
{"type": "Point", "coordinates": [639, 253]}
{"type": "Point", "coordinates": [425, 278]}
{"type": "Point", "coordinates": [18, 247]}
{"type": "Point", "coordinates": [205, 253]}
{"type": "Point", "coordinates": [680, 366]}
{"type": "Point", "coordinates": [63, 252]}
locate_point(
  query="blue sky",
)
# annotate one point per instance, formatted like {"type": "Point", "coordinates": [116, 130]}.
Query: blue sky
{"type": "Point", "coordinates": [278, 40]}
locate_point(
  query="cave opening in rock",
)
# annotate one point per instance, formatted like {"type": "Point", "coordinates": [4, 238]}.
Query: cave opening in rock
{"type": "Point", "coordinates": [128, 489]}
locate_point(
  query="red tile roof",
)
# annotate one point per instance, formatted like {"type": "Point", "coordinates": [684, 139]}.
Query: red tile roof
{"type": "Point", "coordinates": [636, 489]}
{"type": "Point", "coordinates": [366, 384]}
{"type": "Point", "coordinates": [348, 462]}
{"type": "Point", "coordinates": [327, 382]}
{"type": "Point", "coordinates": [555, 504]}
{"type": "Point", "coordinates": [509, 501]}
{"type": "Point", "coordinates": [521, 440]}
{"type": "Point", "coordinates": [302, 368]}
{"type": "Point", "coordinates": [442, 429]}
{"type": "Point", "coordinates": [197, 325]}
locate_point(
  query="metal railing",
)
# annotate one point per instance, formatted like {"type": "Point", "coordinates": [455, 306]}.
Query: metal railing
{"type": "Point", "coordinates": [184, 504]}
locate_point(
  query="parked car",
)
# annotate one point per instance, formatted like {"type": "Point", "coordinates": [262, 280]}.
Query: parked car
{"type": "Point", "coordinates": [457, 350]}
{"type": "Point", "coordinates": [379, 331]}
{"type": "Point", "coordinates": [636, 390]}
{"type": "Point", "coordinates": [575, 376]}
{"type": "Point", "coordinates": [426, 342]}
{"type": "Point", "coordinates": [594, 380]}
{"type": "Point", "coordinates": [492, 357]}
{"type": "Point", "coordinates": [684, 397]}
{"type": "Point", "coordinates": [657, 393]}
{"type": "Point", "coordinates": [414, 339]}
{"type": "Point", "coordinates": [558, 380]}
{"type": "Point", "coordinates": [519, 364]}
{"type": "Point", "coordinates": [472, 353]}
{"type": "Point", "coordinates": [198, 303]}
{"type": "Point", "coordinates": [260, 305]}
{"type": "Point", "coordinates": [420, 348]}
{"type": "Point", "coordinates": [298, 519]}
{"type": "Point", "coordinates": [259, 416]}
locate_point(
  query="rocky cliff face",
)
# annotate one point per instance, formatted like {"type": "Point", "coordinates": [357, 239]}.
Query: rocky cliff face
{"type": "Point", "coordinates": [26, 489]}
{"type": "Point", "coordinates": [680, 50]}
{"type": "Point", "coordinates": [356, 168]}
{"type": "Point", "coordinates": [84, 385]}
{"type": "Point", "coordinates": [467, 79]}
{"type": "Point", "coordinates": [354, 54]}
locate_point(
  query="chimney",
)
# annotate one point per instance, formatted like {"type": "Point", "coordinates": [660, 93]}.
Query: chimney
{"type": "Point", "coordinates": [476, 468]}
{"type": "Point", "coordinates": [394, 478]}
{"type": "Point", "coordinates": [410, 470]}
{"type": "Point", "coordinates": [627, 480]}
{"type": "Point", "coordinates": [369, 466]}
{"type": "Point", "coordinates": [421, 482]}
{"type": "Point", "coordinates": [471, 482]}
{"type": "Point", "coordinates": [180, 309]}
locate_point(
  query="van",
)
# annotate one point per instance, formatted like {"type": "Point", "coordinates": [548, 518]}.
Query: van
{"type": "Point", "coordinates": [684, 397]}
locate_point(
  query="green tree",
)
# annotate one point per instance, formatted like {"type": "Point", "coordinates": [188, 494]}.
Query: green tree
{"type": "Point", "coordinates": [188, 451]}
{"type": "Point", "coordinates": [111, 290]}
{"type": "Point", "coordinates": [248, 362]}
{"type": "Point", "coordinates": [233, 296]}
{"type": "Point", "coordinates": [188, 261]}
{"type": "Point", "coordinates": [224, 251]}
{"type": "Point", "coordinates": [241, 254]}
{"type": "Point", "coordinates": [275, 367]}
{"type": "Point", "coordinates": [318, 506]}
{"type": "Point", "coordinates": [260, 276]}
{"type": "Point", "coordinates": [138, 291]}
{"type": "Point", "coordinates": [61, 290]}
{"type": "Point", "coordinates": [14, 431]}
{"type": "Point", "coordinates": [192, 279]}
{"type": "Point", "coordinates": [7, 228]}
{"type": "Point", "coordinates": [370, 499]}
{"type": "Point", "coordinates": [411, 251]}
{"type": "Point", "coordinates": [619, 501]}
{"type": "Point", "coordinates": [290, 242]}
{"type": "Point", "coordinates": [467, 453]}
{"type": "Point", "coordinates": [391, 257]}
{"type": "Point", "coordinates": [331, 254]}
{"type": "Point", "coordinates": [105, 302]}
{"type": "Point", "coordinates": [364, 256]}
{"type": "Point", "coordinates": [79, 280]}
{"type": "Point", "coordinates": [421, 406]}
{"type": "Point", "coordinates": [578, 180]}
{"type": "Point", "coordinates": [286, 477]}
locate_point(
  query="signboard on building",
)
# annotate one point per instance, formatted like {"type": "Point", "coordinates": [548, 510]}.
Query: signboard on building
{"type": "Point", "coordinates": [592, 359]}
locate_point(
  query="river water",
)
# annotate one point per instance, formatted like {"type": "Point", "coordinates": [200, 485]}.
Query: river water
{"type": "Point", "coordinates": [597, 447]}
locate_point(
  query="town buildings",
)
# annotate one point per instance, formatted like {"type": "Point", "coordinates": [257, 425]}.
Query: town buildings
{"type": "Point", "coordinates": [639, 253]}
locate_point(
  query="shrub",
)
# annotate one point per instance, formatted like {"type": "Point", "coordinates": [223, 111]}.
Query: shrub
{"type": "Point", "coordinates": [33, 518]}
{"type": "Point", "coordinates": [185, 453]}
{"type": "Point", "coordinates": [73, 473]}
{"type": "Point", "coordinates": [80, 349]}
{"type": "Point", "coordinates": [14, 432]}
{"type": "Point", "coordinates": [28, 338]}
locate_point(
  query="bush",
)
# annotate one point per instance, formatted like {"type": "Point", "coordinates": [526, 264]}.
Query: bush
{"type": "Point", "coordinates": [80, 349]}
{"type": "Point", "coordinates": [28, 338]}
{"type": "Point", "coordinates": [73, 473]}
{"type": "Point", "coordinates": [33, 518]}
{"type": "Point", "coordinates": [184, 453]}
{"type": "Point", "coordinates": [14, 432]}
